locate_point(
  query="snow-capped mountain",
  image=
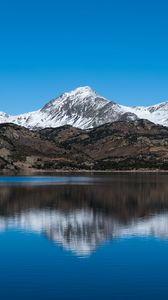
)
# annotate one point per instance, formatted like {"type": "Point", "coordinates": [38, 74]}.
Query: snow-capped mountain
{"type": "Point", "coordinates": [84, 108]}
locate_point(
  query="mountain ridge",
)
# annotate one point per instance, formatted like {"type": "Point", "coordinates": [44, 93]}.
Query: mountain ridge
{"type": "Point", "coordinates": [84, 108]}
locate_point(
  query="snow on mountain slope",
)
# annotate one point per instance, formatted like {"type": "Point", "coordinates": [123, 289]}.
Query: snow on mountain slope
{"type": "Point", "coordinates": [3, 117]}
{"type": "Point", "coordinates": [84, 108]}
{"type": "Point", "coordinates": [157, 113]}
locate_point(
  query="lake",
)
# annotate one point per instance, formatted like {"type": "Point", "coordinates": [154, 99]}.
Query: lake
{"type": "Point", "coordinates": [84, 237]}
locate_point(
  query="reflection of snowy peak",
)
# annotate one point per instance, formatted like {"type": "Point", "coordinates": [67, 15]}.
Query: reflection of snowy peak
{"type": "Point", "coordinates": [82, 230]}
{"type": "Point", "coordinates": [79, 231]}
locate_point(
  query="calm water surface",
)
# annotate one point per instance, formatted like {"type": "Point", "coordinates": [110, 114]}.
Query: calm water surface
{"type": "Point", "coordinates": [95, 237]}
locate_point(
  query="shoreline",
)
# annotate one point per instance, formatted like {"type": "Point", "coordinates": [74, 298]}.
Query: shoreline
{"type": "Point", "coordinates": [36, 172]}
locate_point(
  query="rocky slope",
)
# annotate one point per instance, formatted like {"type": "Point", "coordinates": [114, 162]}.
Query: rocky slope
{"type": "Point", "coordinates": [119, 145]}
{"type": "Point", "coordinates": [84, 108]}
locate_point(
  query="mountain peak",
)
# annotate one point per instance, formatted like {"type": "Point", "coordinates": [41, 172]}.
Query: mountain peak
{"type": "Point", "coordinates": [83, 90]}
{"type": "Point", "coordinates": [80, 92]}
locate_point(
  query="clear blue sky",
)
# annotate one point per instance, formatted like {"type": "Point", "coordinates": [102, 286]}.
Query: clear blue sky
{"type": "Point", "coordinates": [120, 48]}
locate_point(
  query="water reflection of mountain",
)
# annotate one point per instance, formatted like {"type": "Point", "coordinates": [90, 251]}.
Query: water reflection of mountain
{"type": "Point", "coordinates": [81, 217]}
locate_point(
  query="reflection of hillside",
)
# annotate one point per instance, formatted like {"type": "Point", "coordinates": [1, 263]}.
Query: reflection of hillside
{"type": "Point", "coordinates": [124, 197]}
{"type": "Point", "coordinates": [81, 217]}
